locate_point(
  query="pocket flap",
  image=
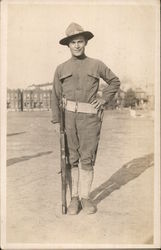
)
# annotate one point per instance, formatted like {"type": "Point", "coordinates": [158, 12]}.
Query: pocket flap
{"type": "Point", "coordinates": [93, 74]}
{"type": "Point", "coordinates": [65, 75]}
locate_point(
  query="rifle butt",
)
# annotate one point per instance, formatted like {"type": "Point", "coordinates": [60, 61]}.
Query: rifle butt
{"type": "Point", "coordinates": [64, 200]}
{"type": "Point", "coordinates": [64, 209]}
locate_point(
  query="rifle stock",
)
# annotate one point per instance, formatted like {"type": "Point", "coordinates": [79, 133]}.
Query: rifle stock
{"type": "Point", "coordinates": [63, 158]}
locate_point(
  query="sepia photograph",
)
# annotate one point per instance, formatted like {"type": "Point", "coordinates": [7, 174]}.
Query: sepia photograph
{"type": "Point", "coordinates": [80, 124]}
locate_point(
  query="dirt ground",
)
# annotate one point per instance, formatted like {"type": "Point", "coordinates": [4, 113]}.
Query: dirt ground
{"type": "Point", "coordinates": [122, 187]}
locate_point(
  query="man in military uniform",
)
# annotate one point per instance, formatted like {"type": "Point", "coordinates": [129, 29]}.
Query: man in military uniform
{"type": "Point", "coordinates": [78, 79]}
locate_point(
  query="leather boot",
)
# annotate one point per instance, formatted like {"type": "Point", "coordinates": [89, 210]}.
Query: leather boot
{"type": "Point", "coordinates": [86, 183]}
{"type": "Point", "coordinates": [88, 206]}
{"type": "Point", "coordinates": [74, 206]}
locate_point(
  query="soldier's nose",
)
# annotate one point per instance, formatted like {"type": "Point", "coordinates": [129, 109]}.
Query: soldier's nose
{"type": "Point", "coordinates": [77, 45]}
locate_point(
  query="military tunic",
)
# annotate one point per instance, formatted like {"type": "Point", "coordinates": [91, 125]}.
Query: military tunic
{"type": "Point", "coordinates": [78, 78]}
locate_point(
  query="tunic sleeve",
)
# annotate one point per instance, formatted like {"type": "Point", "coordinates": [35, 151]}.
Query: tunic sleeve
{"type": "Point", "coordinates": [55, 100]}
{"type": "Point", "coordinates": [111, 79]}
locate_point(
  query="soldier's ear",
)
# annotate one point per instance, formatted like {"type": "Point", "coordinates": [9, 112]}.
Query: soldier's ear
{"type": "Point", "coordinates": [86, 41]}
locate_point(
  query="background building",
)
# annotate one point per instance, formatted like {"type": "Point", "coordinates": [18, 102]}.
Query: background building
{"type": "Point", "coordinates": [35, 97]}
{"type": "Point", "coordinates": [39, 97]}
{"type": "Point", "coordinates": [14, 99]}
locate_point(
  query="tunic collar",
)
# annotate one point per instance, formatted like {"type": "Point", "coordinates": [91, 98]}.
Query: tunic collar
{"type": "Point", "coordinates": [77, 58]}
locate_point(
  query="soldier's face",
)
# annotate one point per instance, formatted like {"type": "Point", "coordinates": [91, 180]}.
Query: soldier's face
{"type": "Point", "coordinates": [77, 46]}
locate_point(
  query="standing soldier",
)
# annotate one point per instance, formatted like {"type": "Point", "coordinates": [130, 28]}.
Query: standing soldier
{"type": "Point", "coordinates": [78, 81]}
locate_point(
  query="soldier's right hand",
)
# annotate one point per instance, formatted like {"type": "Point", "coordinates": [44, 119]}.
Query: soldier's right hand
{"type": "Point", "coordinates": [56, 127]}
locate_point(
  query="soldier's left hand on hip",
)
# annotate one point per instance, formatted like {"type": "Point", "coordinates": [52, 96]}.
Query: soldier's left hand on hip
{"type": "Point", "coordinates": [97, 103]}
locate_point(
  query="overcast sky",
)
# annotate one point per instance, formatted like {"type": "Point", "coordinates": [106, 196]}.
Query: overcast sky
{"type": "Point", "coordinates": [124, 39]}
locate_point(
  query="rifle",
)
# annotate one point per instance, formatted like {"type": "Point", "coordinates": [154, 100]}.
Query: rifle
{"type": "Point", "coordinates": [63, 154]}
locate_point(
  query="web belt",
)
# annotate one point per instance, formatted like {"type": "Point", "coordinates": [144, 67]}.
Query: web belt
{"type": "Point", "coordinates": [80, 107]}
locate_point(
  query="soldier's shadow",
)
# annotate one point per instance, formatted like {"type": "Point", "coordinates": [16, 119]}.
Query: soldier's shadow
{"type": "Point", "coordinates": [126, 173]}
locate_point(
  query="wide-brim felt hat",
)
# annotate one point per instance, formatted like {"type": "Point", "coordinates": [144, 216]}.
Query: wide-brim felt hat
{"type": "Point", "coordinates": [73, 30]}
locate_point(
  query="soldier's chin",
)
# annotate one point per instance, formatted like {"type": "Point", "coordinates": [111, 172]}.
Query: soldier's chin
{"type": "Point", "coordinates": [78, 54]}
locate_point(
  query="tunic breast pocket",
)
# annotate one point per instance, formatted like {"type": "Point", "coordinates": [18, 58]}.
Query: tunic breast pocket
{"type": "Point", "coordinates": [67, 83]}
{"type": "Point", "coordinates": [92, 80]}
{"type": "Point", "coordinates": [65, 77]}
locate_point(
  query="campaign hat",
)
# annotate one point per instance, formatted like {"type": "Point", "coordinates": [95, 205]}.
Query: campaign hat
{"type": "Point", "coordinates": [73, 30]}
